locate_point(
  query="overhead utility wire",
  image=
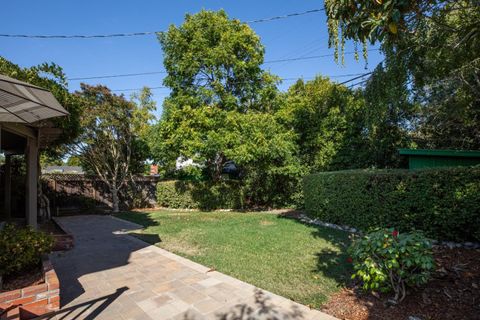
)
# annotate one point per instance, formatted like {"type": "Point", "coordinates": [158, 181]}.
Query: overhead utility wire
{"type": "Point", "coordinates": [312, 57]}
{"type": "Point", "coordinates": [119, 75]}
{"type": "Point", "coordinates": [353, 79]}
{"type": "Point", "coordinates": [146, 33]}
{"type": "Point", "coordinates": [290, 15]}
{"type": "Point", "coordinates": [283, 79]}
{"type": "Point", "coordinates": [164, 72]}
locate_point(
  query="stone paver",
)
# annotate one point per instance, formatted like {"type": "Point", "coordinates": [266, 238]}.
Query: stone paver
{"type": "Point", "coordinates": [111, 275]}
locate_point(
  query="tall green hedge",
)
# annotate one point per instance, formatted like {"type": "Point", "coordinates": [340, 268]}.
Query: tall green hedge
{"type": "Point", "coordinates": [199, 195]}
{"type": "Point", "coordinates": [444, 203]}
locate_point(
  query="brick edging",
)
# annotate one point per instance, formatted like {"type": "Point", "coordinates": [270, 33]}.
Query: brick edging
{"type": "Point", "coordinates": [63, 242]}
{"type": "Point", "coordinates": [44, 296]}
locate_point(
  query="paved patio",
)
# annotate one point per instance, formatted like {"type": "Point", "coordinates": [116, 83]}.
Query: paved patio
{"type": "Point", "coordinates": [111, 275]}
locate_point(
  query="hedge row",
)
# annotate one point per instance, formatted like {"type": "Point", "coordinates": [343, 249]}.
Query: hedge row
{"type": "Point", "coordinates": [444, 203]}
{"type": "Point", "coordinates": [199, 195]}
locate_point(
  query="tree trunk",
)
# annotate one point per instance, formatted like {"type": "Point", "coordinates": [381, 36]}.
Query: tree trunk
{"type": "Point", "coordinates": [115, 200]}
{"type": "Point", "coordinates": [218, 167]}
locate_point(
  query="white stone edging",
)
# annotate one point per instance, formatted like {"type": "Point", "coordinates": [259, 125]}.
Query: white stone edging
{"type": "Point", "coordinates": [447, 244]}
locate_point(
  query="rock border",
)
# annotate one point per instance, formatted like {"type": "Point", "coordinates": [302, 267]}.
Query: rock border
{"type": "Point", "coordinates": [447, 244]}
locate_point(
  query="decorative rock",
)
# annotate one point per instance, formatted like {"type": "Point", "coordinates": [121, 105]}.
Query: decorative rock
{"type": "Point", "coordinates": [315, 221]}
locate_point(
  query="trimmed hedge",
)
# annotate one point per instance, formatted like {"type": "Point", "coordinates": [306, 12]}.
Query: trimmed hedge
{"type": "Point", "coordinates": [444, 203]}
{"type": "Point", "coordinates": [199, 195]}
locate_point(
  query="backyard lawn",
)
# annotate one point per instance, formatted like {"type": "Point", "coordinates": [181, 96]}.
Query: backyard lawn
{"type": "Point", "coordinates": [301, 262]}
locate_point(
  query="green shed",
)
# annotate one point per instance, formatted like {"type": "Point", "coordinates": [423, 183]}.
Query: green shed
{"type": "Point", "coordinates": [418, 158]}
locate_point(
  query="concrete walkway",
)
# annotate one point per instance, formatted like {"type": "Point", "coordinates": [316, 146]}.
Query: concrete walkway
{"type": "Point", "coordinates": [110, 275]}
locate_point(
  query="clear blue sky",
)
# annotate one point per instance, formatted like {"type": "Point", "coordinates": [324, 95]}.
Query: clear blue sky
{"type": "Point", "coordinates": [287, 38]}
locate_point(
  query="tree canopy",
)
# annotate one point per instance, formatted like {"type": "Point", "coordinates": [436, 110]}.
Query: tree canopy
{"type": "Point", "coordinates": [51, 77]}
{"type": "Point", "coordinates": [109, 144]}
{"type": "Point", "coordinates": [213, 60]}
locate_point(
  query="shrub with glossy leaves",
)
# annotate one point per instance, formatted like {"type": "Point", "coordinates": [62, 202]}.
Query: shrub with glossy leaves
{"type": "Point", "coordinates": [22, 248]}
{"type": "Point", "coordinates": [387, 260]}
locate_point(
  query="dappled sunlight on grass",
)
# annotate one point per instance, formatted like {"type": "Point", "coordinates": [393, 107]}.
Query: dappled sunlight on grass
{"type": "Point", "coordinates": [301, 262]}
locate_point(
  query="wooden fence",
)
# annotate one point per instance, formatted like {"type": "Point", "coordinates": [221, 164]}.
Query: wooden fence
{"type": "Point", "coordinates": [74, 192]}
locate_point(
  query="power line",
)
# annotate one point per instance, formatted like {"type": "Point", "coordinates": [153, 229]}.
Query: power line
{"type": "Point", "coordinates": [138, 89]}
{"type": "Point", "coordinates": [353, 79]}
{"type": "Point", "coordinates": [290, 15]}
{"type": "Point", "coordinates": [283, 79]}
{"type": "Point", "coordinates": [313, 57]}
{"type": "Point", "coordinates": [147, 33]}
{"type": "Point", "coordinates": [118, 75]}
{"type": "Point", "coordinates": [358, 83]}
{"type": "Point", "coordinates": [164, 72]}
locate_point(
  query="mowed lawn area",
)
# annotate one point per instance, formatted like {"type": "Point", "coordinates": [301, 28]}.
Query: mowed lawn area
{"type": "Point", "coordinates": [279, 254]}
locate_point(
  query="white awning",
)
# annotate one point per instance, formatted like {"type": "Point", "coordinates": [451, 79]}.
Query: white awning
{"type": "Point", "coordinates": [25, 103]}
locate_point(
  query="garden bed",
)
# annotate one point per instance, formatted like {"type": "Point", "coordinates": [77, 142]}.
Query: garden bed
{"type": "Point", "coordinates": [63, 240]}
{"type": "Point", "coordinates": [41, 294]}
{"type": "Point", "coordinates": [453, 293]}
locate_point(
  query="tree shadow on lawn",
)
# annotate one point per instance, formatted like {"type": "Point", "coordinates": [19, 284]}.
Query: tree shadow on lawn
{"type": "Point", "coordinates": [139, 217]}
{"type": "Point", "coordinates": [147, 237]}
{"type": "Point", "coordinates": [331, 263]}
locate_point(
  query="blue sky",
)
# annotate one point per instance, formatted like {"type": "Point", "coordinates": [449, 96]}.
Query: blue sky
{"type": "Point", "coordinates": [287, 38]}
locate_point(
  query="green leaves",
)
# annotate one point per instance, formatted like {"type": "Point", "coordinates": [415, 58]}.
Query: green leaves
{"type": "Point", "coordinates": [213, 60]}
{"type": "Point", "coordinates": [326, 119]}
{"type": "Point", "coordinates": [22, 248]}
{"type": "Point", "coordinates": [386, 260]}
{"type": "Point", "coordinates": [51, 77]}
{"type": "Point", "coordinates": [444, 203]}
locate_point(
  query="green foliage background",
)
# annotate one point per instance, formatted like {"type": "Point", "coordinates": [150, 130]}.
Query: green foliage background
{"type": "Point", "coordinates": [444, 203]}
{"type": "Point", "coordinates": [200, 195]}
{"type": "Point", "coordinates": [21, 249]}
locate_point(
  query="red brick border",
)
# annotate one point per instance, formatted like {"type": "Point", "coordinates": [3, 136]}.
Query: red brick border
{"type": "Point", "coordinates": [41, 298]}
{"type": "Point", "coordinates": [63, 242]}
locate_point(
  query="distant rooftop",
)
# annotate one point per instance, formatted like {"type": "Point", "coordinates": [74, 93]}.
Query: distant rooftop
{"type": "Point", "coordinates": [63, 169]}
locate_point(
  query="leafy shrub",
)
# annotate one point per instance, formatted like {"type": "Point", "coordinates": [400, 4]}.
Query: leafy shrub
{"type": "Point", "coordinates": [21, 248]}
{"type": "Point", "coordinates": [199, 195]}
{"type": "Point", "coordinates": [386, 260]}
{"type": "Point", "coordinates": [444, 203]}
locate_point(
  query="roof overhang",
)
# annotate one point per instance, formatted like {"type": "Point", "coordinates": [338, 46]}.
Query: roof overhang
{"type": "Point", "coordinates": [22, 102]}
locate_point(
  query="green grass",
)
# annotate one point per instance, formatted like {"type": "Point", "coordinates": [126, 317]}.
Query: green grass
{"type": "Point", "coordinates": [298, 261]}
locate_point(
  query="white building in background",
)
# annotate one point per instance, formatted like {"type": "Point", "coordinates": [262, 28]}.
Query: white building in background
{"type": "Point", "coordinates": [182, 163]}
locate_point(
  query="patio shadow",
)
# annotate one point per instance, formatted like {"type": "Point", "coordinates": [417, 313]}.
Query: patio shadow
{"type": "Point", "coordinates": [262, 308]}
{"type": "Point", "coordinates": [100, 245]}
{"type": "Point", "coordinates": [79, 311]}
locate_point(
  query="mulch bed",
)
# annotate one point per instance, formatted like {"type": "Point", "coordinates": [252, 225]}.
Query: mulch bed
{"type": "Point", "coordinates": [50, 227]}
{"type": "Point", "coordinates": [22, 280]}
{"type": "Point", "coordinates": [453, 293]}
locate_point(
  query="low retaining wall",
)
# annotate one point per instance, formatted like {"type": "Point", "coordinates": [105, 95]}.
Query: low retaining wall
{"type": "Point", "coordinates": [63, 242]}
{"type": "Point", "coordinates": [35, 300]}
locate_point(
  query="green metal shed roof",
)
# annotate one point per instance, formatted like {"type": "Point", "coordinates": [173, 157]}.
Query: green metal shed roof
{"type": "Point", "coordinates": [440, 153]}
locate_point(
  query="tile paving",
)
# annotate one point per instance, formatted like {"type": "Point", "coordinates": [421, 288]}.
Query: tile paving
{"type": "Point", "coordinates": [111, 275]}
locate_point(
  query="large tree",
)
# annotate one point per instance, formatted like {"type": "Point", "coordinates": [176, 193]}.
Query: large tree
{"type": "Point", "coordinates": [432, 50]}
{"type": "Point", "coordinates": [214, 60]}
{"type": "Point", "coordinates": [327, 120]}
{"type": "Point", "coordinates": [221, 109]}
{"type": "Point", "coordinates": [109, 144]}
